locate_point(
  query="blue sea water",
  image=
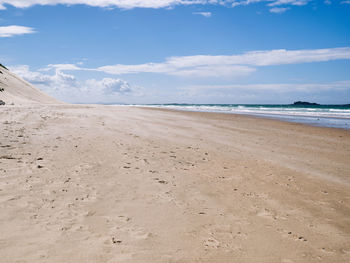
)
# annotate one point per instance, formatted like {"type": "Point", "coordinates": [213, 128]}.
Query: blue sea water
{"type": "Point", "coordinates": [336, 116]}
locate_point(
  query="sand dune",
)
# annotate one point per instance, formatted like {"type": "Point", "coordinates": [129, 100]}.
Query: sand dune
{"type": "Point", "coordinates": [19, 92]}
{"type": "Point", "coordinates": [125, 184]}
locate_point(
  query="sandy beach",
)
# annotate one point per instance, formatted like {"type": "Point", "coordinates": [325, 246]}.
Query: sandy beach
{"type": "Point", "coordinates": [174, 131]}
{"type": "Point", "coordinates": [127, 184]}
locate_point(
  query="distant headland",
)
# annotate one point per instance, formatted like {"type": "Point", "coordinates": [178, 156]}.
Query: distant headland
{"type": "Point", "coordinates": [306, 103]}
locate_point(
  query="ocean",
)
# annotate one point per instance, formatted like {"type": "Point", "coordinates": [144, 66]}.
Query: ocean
{"type": "Point", "coordinates": [336, 116]}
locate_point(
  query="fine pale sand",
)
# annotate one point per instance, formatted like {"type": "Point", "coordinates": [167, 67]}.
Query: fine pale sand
{"type": "Point", "coordinates": [124, 184]}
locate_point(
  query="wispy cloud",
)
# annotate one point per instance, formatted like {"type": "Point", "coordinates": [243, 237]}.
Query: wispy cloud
{"type": "Point", "coordinates": [271, 2]}
{"type": "Point", "coordinates": [288, 2]}
{"type": "Point", "coordinates": [129, 4]}
{"type": "Point", "coordinates": [10, 31]}
{"type": "Point", "coordinates": [60, 67]}
{"type": "Point", "coordinates": [173, 67]}
{"type": "Point", "coordinates": [217, 66]}
{"type": "Point", "coordinates": [205, 14]}
{"type": "Point", "coordinates": [279, 10]}
{"type": "Point", "coordinates": [232, 65]}
{"type": "Point", "coordinates": [126, 4]}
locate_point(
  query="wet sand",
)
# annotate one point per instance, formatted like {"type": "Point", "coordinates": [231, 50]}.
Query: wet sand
{"type": "Point", "coordinates": [123, 184]}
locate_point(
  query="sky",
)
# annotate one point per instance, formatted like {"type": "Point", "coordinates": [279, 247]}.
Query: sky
{"type": "Point", "coordinates": [180, 51]}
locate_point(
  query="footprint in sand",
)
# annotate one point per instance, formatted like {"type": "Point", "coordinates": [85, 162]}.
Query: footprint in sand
{"type": "Point", "coordinates": [160, 181]}
{"type": "Point", "coordinates": [139, 234]}
{"type": "Point", "coordinates": [266, 213]}
{"type": "Point", "coordinates": [212, 243]}
{"type": "Point", "coordinates": [116, 241]}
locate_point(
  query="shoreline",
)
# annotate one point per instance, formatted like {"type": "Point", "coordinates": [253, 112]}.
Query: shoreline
{"type": "Point", "coordinates": [258, 116]}
{"type": "Point", "coordinates": [318, 119]}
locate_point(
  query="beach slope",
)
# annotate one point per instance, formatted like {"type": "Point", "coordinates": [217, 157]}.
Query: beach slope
{"type": "Point", "coordinates": [127, 184]}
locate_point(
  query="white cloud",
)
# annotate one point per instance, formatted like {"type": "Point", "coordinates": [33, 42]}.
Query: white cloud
{"type": "Point", "coordinates": [66, 87]}
{"type": "Point", "coordinates": [214, 71]}
{"type": "Point", "coordinates": [129, 4]}
{"type": "Point", "coordinates": [245, 2]}
{"type": "Point", "coordinates": [289, 2]}
{"type": "Point", "coordinates": [279, 10]}
{"type": "Point", "coordinates": [56, 82]}
{"type": "Point", "coordinates": [205, 14]}
{"type": "Point", "coordinates": [126, 4]}
{"type": "Point", "coordinates": [172, 67]}
{"type": "Point", "coordinates": [32, 77]}
{"type": "Point", "coordinates": [62, 67]}
{"type": "Point", "coordinates": [110, 86]}
{"type": "Point", "coordinates": [271, 2]}
{"type": "Point", "coordinates": [265, 58]}
{"type": "Point", "coordinates": [232, 65]}
{"type": "Point", "coordinates": [10, 31]}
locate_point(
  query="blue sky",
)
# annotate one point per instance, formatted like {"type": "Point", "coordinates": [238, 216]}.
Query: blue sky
{"type": "Point", "coordinates": [194, 51]}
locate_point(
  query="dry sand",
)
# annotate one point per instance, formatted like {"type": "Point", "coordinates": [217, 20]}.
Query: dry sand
{"type": "Point", "coordinates": [123, 184]}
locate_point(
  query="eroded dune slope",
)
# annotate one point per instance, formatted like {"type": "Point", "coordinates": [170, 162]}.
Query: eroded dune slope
{"type": "Point", "coordinates": [15, 90]}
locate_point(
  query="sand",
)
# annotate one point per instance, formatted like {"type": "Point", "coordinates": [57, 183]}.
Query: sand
{"type": "Point", "coordinates": [127, 184]}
